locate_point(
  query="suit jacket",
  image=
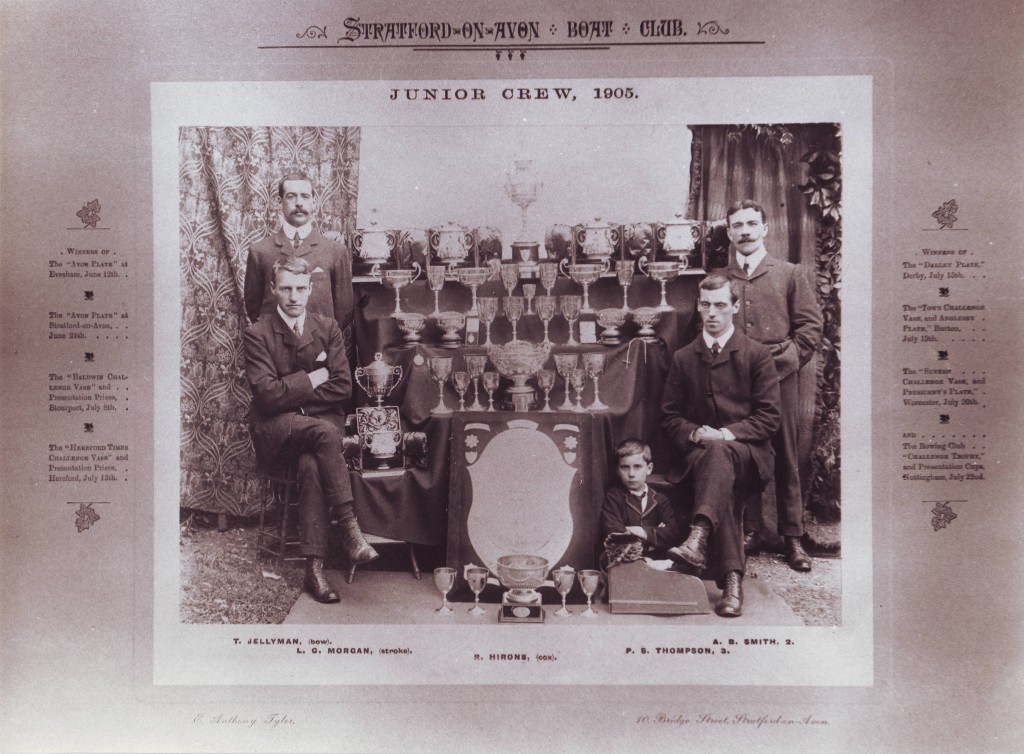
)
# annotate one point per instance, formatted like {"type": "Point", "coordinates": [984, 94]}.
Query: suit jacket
{"type": "Point", "coordinates": [738, 391]}
{"type": "Point", "coordinates": [777, 308]}
{"type": "Point", "coordinates": [277, 363]}
{"type": "Point", "coordinates": [621, 509]}
{"type": "Point", "coordinates": [330, 262]}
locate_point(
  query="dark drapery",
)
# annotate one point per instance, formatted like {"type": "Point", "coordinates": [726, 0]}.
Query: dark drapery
{"type": "Point", "coordinates": [228, 199]}
{"type": "Point", "coordinates": [794, 171]}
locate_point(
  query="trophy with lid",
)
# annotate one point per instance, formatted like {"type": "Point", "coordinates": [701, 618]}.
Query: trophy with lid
{"type": "Point", "coordinates": [380, 426]}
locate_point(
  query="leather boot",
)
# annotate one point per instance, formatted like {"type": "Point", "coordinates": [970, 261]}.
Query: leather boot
{"type": "Point", "coordinates": [357, 549]}
{"type": "Point", "coordinates": [796, 557]}
{"type": "Point", "coordinates": [731, 603]}
{"type": "Point", "coordinates": [692, 554]}
{"type": "Point", "coordinates": [316, 582]}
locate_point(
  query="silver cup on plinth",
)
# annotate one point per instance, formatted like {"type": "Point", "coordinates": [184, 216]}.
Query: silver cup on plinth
{"type": "Point", "coordinates": [378, 378]}
{"type": "Point", "coordinates": [611, 320]}
{"type": "Point", "coordinates": [411, 323]}
{"type": "Point", "coordinates": [678, 237]}
{"type": "Point", "coordinates": [519, 360]}
{"type": "Point", "coordinates": [647, 318]}
{"type": "Point", "coordinates": [521, 575]}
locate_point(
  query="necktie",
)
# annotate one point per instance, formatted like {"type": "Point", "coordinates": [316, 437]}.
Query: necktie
{"type": "Point", "coordinates": [641, 500]}
{"type": "Point", "coordinates": [296, 240]}
{"type": "Point", "coordinates": [715, 348]}
{"type": "Point", "coordinates": [297, 330]}
{"type": "Point", "coordinates": [746, 267]}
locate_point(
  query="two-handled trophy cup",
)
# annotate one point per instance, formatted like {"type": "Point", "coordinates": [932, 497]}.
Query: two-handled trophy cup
{"type": "Point", "coordinates": [380, 426]}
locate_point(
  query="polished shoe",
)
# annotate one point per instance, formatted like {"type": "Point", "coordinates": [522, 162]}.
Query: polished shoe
{"type": "Point", "coordinates": [356, 547]}
{"type": "Point", "coordinates": [751, 543]}
{"type": "Point", "coordinates": [796, 557]}
{"type": "Point", "coordinates": [731, 603]}
{"type": "Point", "coordinates": [693, 553]}
{"type": "Point", "coordinates": [316, 582]}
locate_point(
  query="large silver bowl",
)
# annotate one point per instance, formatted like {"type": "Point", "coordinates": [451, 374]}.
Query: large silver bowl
{"type": "Point", "coordinates": [519, 360]}
{"type": "Point", "coordinates": [521, 574]}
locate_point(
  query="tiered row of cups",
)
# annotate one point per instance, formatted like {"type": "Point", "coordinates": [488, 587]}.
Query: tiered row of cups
{"type": "Point", "coordinates": [546, 307]}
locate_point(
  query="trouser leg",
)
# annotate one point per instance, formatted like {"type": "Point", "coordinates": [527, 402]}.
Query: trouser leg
{"type": "Point", "coordinates": [789, 500]}
{"type": "Point", "coordinates": [312, 510]}
{"type": "Point", "coordinates": [716, 470]}
{"type": "Point", "coordinates": [322, 477]}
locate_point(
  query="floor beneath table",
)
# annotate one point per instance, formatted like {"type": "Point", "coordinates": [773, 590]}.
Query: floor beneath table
{"type": "Point", "coordinates": [397, 598]}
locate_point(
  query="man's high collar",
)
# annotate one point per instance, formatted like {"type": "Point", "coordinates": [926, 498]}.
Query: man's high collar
{"type": "Point", "coordinates": [722, 339]}
{"type": "Point", "coordinates": [290, 230]}
{"type": "Point", "coordinates": [290, 321]}
{"type": "Point", "coordinates": [753, 260]}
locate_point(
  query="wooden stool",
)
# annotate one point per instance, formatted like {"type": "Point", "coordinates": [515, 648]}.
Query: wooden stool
{"type": "Point", "coordinates": [280, 538]}
{"type": "Point", "coordinates": [374, 540]}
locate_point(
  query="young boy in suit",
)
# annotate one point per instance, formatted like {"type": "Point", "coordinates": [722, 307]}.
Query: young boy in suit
{"type": "Point", "coordinates": [633, 508]}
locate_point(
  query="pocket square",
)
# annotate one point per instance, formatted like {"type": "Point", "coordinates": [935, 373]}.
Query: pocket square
{"type": "Point", "coordinates": [322, 356]}
{"type": "Point", "coordinates": [316, 270]}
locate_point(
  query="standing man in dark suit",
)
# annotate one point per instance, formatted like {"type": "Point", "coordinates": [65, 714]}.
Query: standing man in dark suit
{"type": "Point", "coordinates": [777, 308]}
{"type": "Point", "coordinates": [329, 261]}
{"type": "Point", "coordinates": [296, 366]}
{"type": "Point", "coordinates": [720, 409]}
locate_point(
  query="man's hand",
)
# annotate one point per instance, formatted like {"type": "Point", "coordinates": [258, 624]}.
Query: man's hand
{"type": "Point", "coordinates": [319, 376]}
{"type": "Point", "coordinates": [706, 434]}
{"type": "Point", "coordinates": [637, 531]}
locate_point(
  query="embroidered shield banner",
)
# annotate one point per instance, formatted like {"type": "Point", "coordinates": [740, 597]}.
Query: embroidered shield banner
{"type": "Point", "coordinates": [524, 486]}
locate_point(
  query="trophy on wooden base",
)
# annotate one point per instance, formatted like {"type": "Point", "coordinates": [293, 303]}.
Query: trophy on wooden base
{"type": "Point", "coordinates": [521, 575]}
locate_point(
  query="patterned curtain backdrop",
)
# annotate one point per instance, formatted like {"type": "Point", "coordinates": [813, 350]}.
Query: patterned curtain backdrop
{"type": "Point", "coordinates": [228, 200]}
{"type": "Point", "coordinates": [794, 171]}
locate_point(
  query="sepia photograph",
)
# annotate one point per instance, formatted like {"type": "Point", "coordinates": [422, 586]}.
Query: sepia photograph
{"type": "Point", "coordinates": [520, 399]}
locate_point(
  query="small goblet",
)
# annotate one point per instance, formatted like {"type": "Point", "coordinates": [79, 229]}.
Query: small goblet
{"type": "Point", "coordinates": [491, 381]}
{"type": "Point", "coordinates": [565, 363]}
{"type": "Point", "coordinates": [578, 378]}
{"type": "Point", "coordinates": [510, 276]}
{"type": "Point", "coordinates": [593, 363]}
{"type": "Point", "coordinates": [624, 271]}
{"type": "Point", "coordinates": [529, 290]}
{"type": "Point", "coordinates": [440, 368]}
{"type": "Point", "coordinates": [435, 279]}
{"type": "Point", "coordinates": [546, 308]}
{"type": "Point", "coordinates": [475, 365]}
{"type": "Point", "coordinates": [476, 577]}
{"type": "Point", "coordinates": [488, 306]}
{"type": "Point", "coordinates": [548, 275]}
{"type": "Point", "coordinates": [460, 380]}
{"type": "Point", "coordinates": [563, 578]}
{"type": "Point", "coordinates": [444, 580]}
{"type": "Point", "coordinates": [546, 381]}
{"type": "Point", "coordinates": [570, 306]}
{"type": "Point", "coordinates": [514, 307]}
{"type": "Point", "coordinates": [589, 580]}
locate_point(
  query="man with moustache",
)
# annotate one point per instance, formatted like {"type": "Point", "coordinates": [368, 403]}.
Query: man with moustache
{"type": "Point", "coordinates": [329, 261]}
{"type": "Point", "coordinates": [777, 308]}
{"type": "Point", "coordinates": [297, 369]}
{"type": "Point", "coordinates": [720, 409]}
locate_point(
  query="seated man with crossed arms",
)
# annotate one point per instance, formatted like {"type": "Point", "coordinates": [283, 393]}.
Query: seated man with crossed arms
{"type": "Point", "coordinates": [720, 409]}
{"type": "Point", "coordinates": [296, 366]}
